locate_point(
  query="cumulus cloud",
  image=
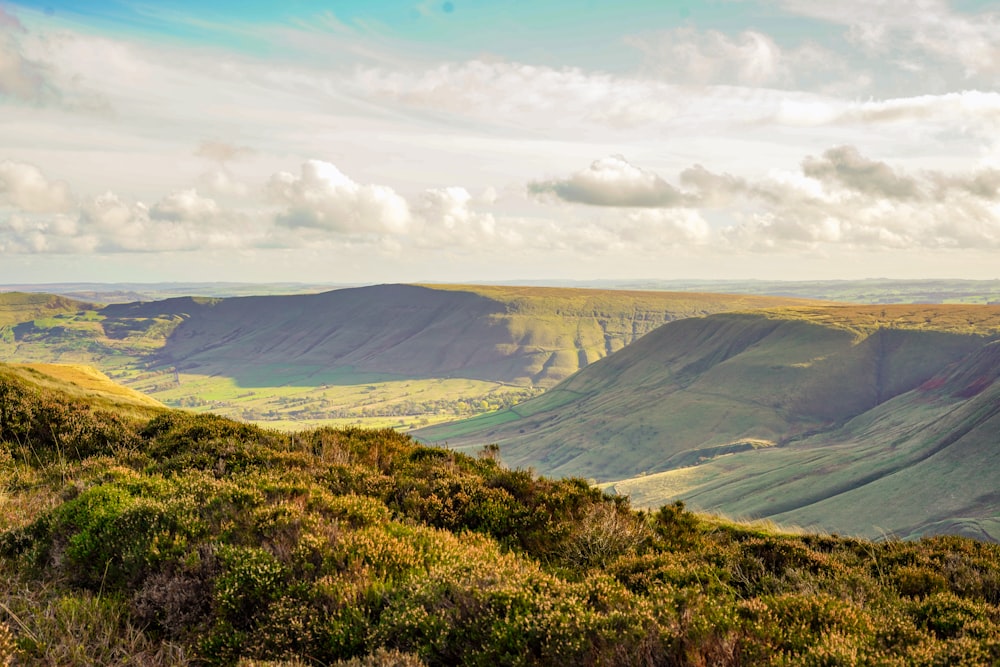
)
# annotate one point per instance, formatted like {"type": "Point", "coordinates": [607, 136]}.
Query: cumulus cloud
{"type": "Point", "coordinates": [221, 182]}
{"type": "Point", "coordinates": [839, 198]}
{"type": "Point", "coordinates": [322, 197]}
{"type": "Point", "coordinates": [25, 187]}
{"type": "Point", "coordinates": [451, 209]}
{"type": "Point", "coordinates": [612, 181]}
{"type": "Point", "coordinates": [180, 221]}
{"type": "Point", "coordinates": [186, 205]}
{"type": "Point", "coordinates": [845, 166]}
{"type": "Point", "coordinates": [845, 198]}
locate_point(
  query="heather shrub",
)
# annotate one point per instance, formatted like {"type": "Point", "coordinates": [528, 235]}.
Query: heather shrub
{"type": "Point", "coordinates": [193, 539]}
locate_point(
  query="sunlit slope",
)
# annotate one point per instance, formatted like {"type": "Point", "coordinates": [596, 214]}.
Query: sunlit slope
{"type": "Point", "coordinates": [925, 462]}
{"type": "Point", "coordinates": [698, 388]}
{"type": "Point", "coordinates": [526, 336]}
{"type": "Point", "coordinates": [17, 307]}
{"type": "Point", "coordinates": [82, 384]}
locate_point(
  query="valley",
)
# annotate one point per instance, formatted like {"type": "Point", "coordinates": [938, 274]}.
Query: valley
{"type": "Point", "coordinates": [825, 417]}
{"type": "Point", "coordinates": [393, 355]}
{"type": "Point", "coordinates": [808, 413]}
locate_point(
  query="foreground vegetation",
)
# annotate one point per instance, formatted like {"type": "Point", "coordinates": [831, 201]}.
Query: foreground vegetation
{"type": "Point", "coordinates": [160, 537]}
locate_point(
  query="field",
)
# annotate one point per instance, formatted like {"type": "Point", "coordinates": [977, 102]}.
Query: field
{"type": "Point", "coordinates": [294, 399]}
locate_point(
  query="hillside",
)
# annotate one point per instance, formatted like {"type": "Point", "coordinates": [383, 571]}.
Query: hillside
{"type": "Point", "coordinates": [175, 539]}
{"type": "Point", "coordinates": [83, 384]}
{"type": "Point", "coordinates": [389, 352]}
{"type": "Point", "coordinates": [508, 334]}
{"type": "Point", "coordinates": [925, 462]}
{"type": "Point", "coordinates": [774, 385]}
{"type": "Point", "coordinates": [17, 307]}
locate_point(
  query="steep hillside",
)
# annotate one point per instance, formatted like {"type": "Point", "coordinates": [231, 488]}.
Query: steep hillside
{"type": "Point", "coordinates": [175, 539]}
{"type": "Point", "coordinates": [704, 387]}
{"type": "Point", "coordinates": [924, 462]}
{"type": "Point", "coordinates": [509, 334]}
{"type": "Point", "coordinates": [396, 355]}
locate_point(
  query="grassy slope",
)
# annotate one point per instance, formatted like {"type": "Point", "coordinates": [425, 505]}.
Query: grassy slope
{"type": "Point", "coordinates": [17, 307]}
{"type": "Point", "coordinates": [182, 540]}
{"type": "Point", "coordinates": [704, 383]}
{"type": "Point", "coordinates": [924, 462]}
{"type": "Point", "coordinates": [84, 384]}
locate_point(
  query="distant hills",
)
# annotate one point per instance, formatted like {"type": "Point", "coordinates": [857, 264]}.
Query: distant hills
{"type": "Point", "coordinates": [130, 292]}
{"type": "Point", "coordinates": [870, 290]}
{"type": "Point", "coordinates": [301, 351]}
{"type": "Point", "coordinates": [17, 307]}
{"type": "Point", "coordinates": [810, 415]}
{"type": "Point", "coordinates": [528, 336]}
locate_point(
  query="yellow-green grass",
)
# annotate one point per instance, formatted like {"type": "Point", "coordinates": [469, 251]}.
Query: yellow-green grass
{"type": "Point", "coordinates": [344, 398]}
{"type": "Point", "coordinates": [82, 382]}
{"type": "Point", "coordinates": [966, 319]}
{"type": "Point", "coordinates": [579, 301]}
{"type": "Point", "coordinates": [17, 307]}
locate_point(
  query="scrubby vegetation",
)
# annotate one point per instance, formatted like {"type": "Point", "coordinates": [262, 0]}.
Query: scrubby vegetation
{"type": "Point", "coordinates": [159, 538]}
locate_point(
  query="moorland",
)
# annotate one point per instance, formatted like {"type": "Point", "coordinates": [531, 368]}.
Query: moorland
{"type": "Point", "coordinates": [135, 534]}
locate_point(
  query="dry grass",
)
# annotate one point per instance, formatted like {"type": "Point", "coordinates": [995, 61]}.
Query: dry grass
{"type": "Point", "coordinates": [46, 625]}
{"type": "Point", "coordinates": [946, 318]}
{"type": "Point", "coordinates": [81, 381]}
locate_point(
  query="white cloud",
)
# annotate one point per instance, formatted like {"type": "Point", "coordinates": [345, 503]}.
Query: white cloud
{"type": "Point", "coordinates": [186, 205]}
{"type": "Point", "coordinates": [23, 186]}
{"type": "Point", "coordinates": [180, 221]}
{"type": "Point", "coordinates": [925, 28]}
{"type": "Point", "coordinates": [962, 107]}
{"type": "Point", "coordinates": [844, 198]}
{"type": "Point", "coordinates": [612, 181]}
{"type": "Point", "coordinates": [221, 182]}
{"type": "Point", "coordinates": [750, 58]}
{"type": "Point", "coordinates": [450, 210]}
{"type": "Point", "coordinates": [844, 166]}
{"type": "Point", "coordinates": [322, 197]}
{"type": "Point", "coordinates": [685, 55]}
{"type": "Point", "coordinates": [21, 77]}
{"type": "Point", "coordinates": [510, 93]}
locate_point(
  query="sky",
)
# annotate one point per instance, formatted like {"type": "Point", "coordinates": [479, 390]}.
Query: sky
{"type": "Point", "coordinates": [359, 141]}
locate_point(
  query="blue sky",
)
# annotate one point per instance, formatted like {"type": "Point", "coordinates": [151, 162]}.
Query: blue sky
{"type": "Point", "coordinates": [470, 140]}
